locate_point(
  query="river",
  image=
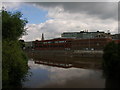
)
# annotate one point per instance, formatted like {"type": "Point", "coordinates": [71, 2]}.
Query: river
{"type": "Point", "coordinates": [62, 75]}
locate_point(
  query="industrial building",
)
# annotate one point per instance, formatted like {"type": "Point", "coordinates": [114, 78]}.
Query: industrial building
{"type": "Point", "coordinates": [71, 44]}
{"type": "Point", "coordinates": [85, 35]}
{"type": "Point", "coordinates": [74, 41]}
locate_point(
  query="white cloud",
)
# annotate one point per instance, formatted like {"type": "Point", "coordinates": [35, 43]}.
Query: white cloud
{"type": "Point", "coordinates": [65, 21]}
{"type": "Point", "coordinates": [67, 18]}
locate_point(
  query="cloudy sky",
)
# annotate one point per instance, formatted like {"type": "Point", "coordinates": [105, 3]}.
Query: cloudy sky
{"type": "Point", "coordinates": [53, 18]}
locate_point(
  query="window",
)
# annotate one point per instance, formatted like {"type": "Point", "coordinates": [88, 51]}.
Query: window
{"type": "Point", "coordinates": [61, 41]}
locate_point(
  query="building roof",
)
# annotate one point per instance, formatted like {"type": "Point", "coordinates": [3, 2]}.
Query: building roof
{"type": "Point", "coordinates": [82, 32]}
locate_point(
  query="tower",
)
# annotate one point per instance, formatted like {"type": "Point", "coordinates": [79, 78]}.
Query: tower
{"type": "Point", "coordinates": [42, 37]}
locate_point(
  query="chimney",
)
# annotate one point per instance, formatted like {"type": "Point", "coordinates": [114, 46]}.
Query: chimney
{"type": "Point", "coordinates": [42, 37]}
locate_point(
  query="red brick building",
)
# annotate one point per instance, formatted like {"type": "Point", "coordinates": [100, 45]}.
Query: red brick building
{"type": "Point", "coordinates": [71, 44]}
{"type": "Point", "coordinates": [90, 44]}
{"type": "Point", "coordinates": [53, 44]}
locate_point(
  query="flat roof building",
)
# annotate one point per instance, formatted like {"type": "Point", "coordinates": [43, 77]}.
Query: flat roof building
{"type": "Point", "coordinates": [85, 35]}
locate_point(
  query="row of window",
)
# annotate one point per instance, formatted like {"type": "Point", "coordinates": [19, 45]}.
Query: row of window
{"type": "Point", "coordinates": [74, 42]}
{"type": "Point", "coordinates": [50, 42]}
{"type": "Point", "coordinates": [46, 46]}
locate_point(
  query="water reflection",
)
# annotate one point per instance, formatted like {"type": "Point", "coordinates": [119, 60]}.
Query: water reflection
{"type": "Point", "coordinates": [54, 63]}
{"type": "Point", "coordinates": [65, 60]}
{"type": "Point", "coordinates": [66, 70]}
{"type": "Point", "coordinates": [67, 63]}
{"type": "Point", "coordinates": [47, 76]}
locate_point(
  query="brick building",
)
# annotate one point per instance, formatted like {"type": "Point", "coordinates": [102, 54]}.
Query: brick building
{"type": "Point", "coordinates": [90, 44]}
{"type": "Point", "coordinates": [71, 44]}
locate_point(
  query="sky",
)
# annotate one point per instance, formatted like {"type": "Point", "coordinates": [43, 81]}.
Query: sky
{"type": "Point", "coordinates": [54, 18]}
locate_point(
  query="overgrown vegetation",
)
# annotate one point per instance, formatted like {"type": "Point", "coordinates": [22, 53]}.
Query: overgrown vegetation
{"type": "Point", "coordinates": [14, 60]}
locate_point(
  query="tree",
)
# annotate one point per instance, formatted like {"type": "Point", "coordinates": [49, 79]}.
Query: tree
{"type": "Point", "coordinates": [111, 64]}
{"type": "Point", "coordinates": [14, 60]}
{"type": "Point", "coordinates": [12, 25]}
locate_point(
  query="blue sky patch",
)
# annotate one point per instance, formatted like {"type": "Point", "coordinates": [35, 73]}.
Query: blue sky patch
{"type": "Point", "coordinates": [33, 14]}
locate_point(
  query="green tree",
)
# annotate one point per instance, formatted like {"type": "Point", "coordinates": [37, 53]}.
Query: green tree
{"type": "Point", "coordinates": [14, 60]}
{"type": "Point", "coordinates": [13, 26]}
{"type": "Point", "coordinates": [111, 63]}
